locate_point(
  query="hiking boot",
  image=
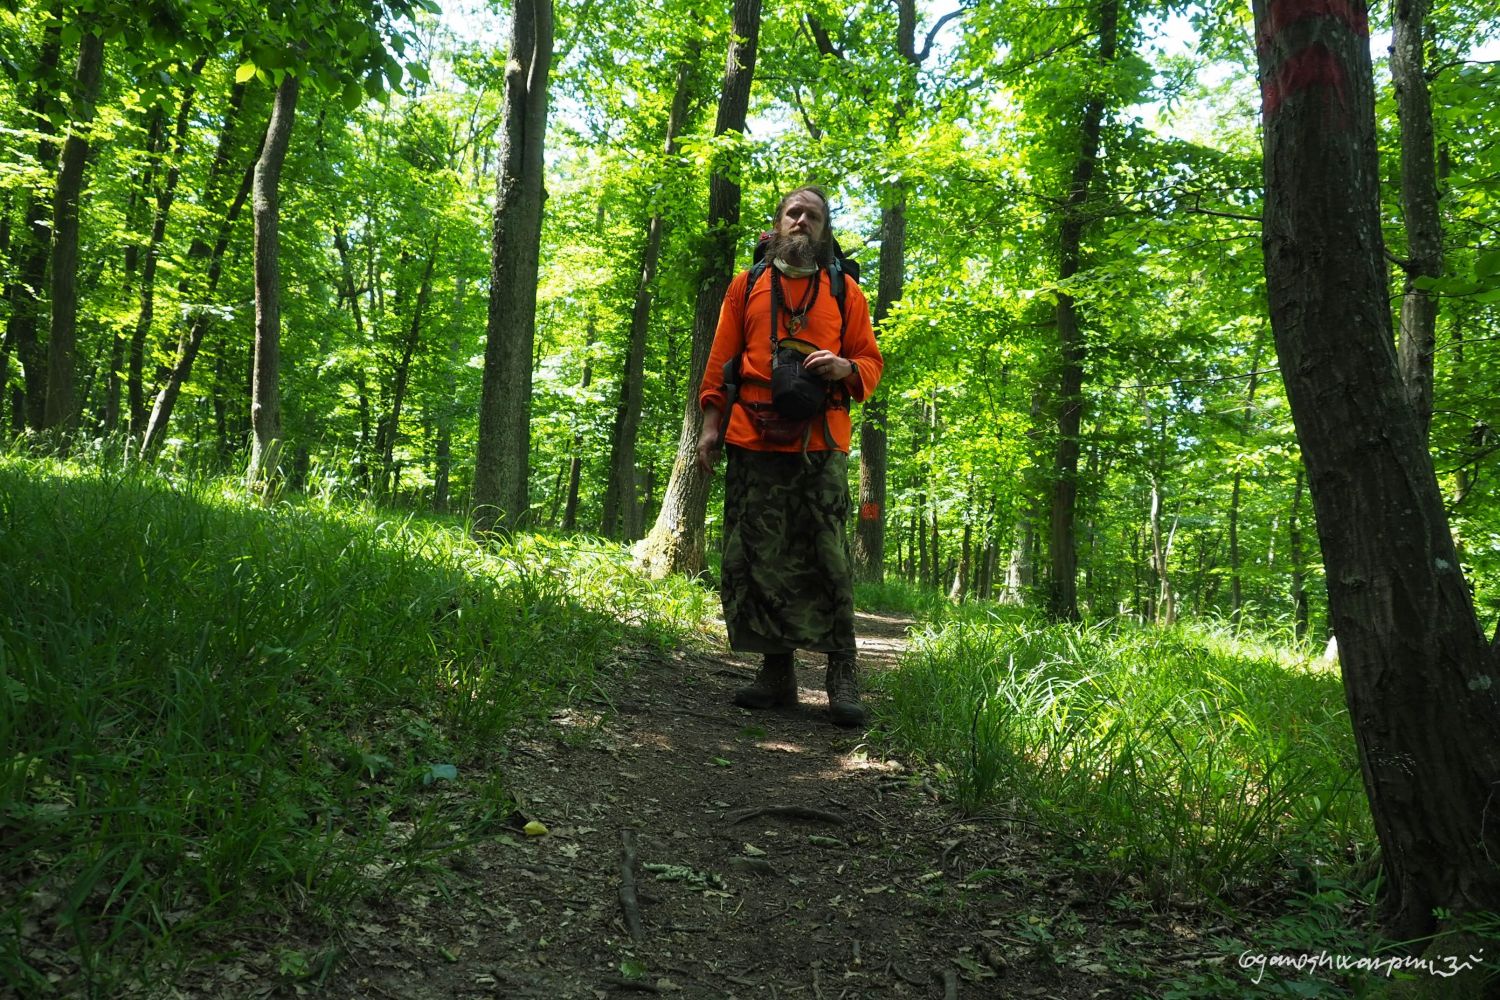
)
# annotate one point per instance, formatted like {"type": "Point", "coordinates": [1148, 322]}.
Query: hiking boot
{"type": "Point", "coordinates": [842, 684]}
{"type": "Point", "coordinates": [775, 684]}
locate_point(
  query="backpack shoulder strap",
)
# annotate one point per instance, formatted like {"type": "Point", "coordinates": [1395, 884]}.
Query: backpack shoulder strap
{"type": "Point", "coordinates": [756, 271]}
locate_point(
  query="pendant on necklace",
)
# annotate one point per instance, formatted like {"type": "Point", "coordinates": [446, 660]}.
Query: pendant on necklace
{"type": "Point", "coordinates": [793, 325]}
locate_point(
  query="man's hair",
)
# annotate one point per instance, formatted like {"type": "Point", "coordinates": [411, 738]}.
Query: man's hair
{"type": "Point", "coordinates": [813, 190]}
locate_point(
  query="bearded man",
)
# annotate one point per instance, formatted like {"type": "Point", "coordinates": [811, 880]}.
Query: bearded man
{"type": "Point", "coordinates": [788, 581]}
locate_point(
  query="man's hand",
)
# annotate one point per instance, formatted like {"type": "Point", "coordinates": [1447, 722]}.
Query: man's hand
{"type": "Point", "coordinates": [708, 440]}
{"type": "Point", "coordinates": [828, 365]}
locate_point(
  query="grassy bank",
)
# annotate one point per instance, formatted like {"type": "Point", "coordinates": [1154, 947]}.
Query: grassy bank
{"type": "Point", "coordinates": [216, 714]}
{"type": "Point", "coordinates": [1189, 757]}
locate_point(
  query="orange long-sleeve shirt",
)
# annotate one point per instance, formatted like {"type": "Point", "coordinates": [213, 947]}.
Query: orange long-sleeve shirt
{"type": "Point", "coordinates": [746, 327]}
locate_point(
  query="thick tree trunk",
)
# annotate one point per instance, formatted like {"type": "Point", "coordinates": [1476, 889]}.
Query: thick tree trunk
{"type": "Point", "coordinates": [502, 464]}
{"type": "Point", "coordinates": [1419, 676]}
{"type": "Point", "coordinates": [265, 393]}
{"type": "Point", "coordinates": [675, 543]}
{"type": "Point", "coordinates": [1062, 591]}
{"type": "Point", "coordinates": [62, 408]}
{"type": "Point", "coordinates": [622, 505]}
{"type": "Point", "coordinates": [1419, 207]}
{"type": "Point", "coordinates": [33, 242]}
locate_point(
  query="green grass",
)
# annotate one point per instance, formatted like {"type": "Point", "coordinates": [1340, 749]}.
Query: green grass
{"type": "Point", "coordinates": [1190, 758]}
{"type": "Point", "coordinates": [213, 714]}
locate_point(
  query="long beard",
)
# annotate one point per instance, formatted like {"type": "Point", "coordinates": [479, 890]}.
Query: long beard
{"type": "Point", "coordinates": [797, 249]}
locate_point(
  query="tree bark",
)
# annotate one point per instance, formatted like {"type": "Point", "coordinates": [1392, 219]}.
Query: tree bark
{"type": "Point", "coordinates": [675, 543]}
{"type": "Point", "coordinates": [135, 222]}
{"type": "Point", "coordinates": [1419, 207]}
{"type": "Point", "coordinates": [265, 394]}
{"type": "Point", "coordinates": [1062, 591]}
{"type": "Point", "coordinates": [622, 505]}
{"type": "Point", "coordinates": [1419, 675]}
{"type": "Point", "coordinates": [501, 468]}
{"type": "Point", "coordinates": [61, 411]}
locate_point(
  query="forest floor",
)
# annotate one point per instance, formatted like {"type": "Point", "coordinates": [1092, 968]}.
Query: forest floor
{"type": "Point", "coordinates": [774, 856]}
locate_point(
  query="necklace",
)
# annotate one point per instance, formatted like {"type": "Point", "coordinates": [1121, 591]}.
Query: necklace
{"type": "Point", "coordinates": [796, 318]}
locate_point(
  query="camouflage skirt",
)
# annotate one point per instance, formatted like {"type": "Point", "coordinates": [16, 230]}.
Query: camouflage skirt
{"type": "Point", "coordinates": [787, 580]}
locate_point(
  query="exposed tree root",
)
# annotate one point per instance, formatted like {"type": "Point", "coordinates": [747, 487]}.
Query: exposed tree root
{"type": "Point", "coordinates": [788, 812]}
{"type": "Point", "coordinates": [628, 903]}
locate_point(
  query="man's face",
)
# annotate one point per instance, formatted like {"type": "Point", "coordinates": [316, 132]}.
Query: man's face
{"type": "Point", "coordinates": [803, 216]}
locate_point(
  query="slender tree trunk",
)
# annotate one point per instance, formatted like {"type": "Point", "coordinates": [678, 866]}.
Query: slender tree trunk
{"type": "Point", "coordinates": [448, 411]}
{"type": "Point", "coordinates": [265, 393]}
{"type": "Point", "coordinates": [62, 409]}
{"type": "Point", "coordinates": [191, 340]}
{"type": "Point", "coordinates": [390, 424]}
{"type": "Point", "coordinates": [1419, 207]}
{"type": "Point", "coordinates": [135, 379]}
{"type": "Point", "coordinates": [675, 543]}
{"type": "Point", "coordinates": [575, 461]}
{"type": "Point", "coordinates": [622, 506]}
{"type": "Point", "coordinates": [502, 465]}
{"type": "Point", "coordinates": [1298, 557]}
{"type": "Point", "coordinates": [33, 242]}
{"type": "Point", "coordinates": [869, 525]}
{"type": "Point", "coordinates": [1418, 671]}
{"type": "Point", "coordinates": [135, 222]}
{"type": "Point", "coordinates": [1062, 596]}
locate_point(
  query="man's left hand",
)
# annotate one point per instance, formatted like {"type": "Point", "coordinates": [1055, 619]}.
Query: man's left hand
{"type": "Point", "coordinates": [828, 365]}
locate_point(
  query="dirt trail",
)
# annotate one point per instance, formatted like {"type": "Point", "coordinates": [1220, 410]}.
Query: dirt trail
{"type": "Point", "coordinates": [862, 893]}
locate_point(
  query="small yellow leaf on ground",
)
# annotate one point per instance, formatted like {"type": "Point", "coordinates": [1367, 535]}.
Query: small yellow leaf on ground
{"type": "Point", "coordinates": [535, 828]}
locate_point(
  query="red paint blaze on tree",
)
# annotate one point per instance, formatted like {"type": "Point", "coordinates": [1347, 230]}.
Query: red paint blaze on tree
{"type": "Point", "coordinates": [869, 512]}
{"type": "Point", "coordinates": [1285, 13]}
{"type": "Point", "coordinates": [1314, 66]}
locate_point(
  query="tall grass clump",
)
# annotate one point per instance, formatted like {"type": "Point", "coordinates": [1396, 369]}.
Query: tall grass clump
{"type": "Point", "coordinates": [1188, 757]}
{"type": "Point", "coordinates": [214, 714]}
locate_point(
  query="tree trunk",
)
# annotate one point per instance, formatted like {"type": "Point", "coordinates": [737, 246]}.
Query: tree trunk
{"type": "Point", "coordinates": [622, 505]}
{"type": "Point", "coordinates": [33, 242]}
{"type": "Point", "coordinates": [1419, 207]}
{"type": "Point", "coordinates": [390, 423]}
{"type": "Point", "coordinates": [675, 543]}
{"type": "Point", "coordinates": [135, 223]}
{"type": "Point", "coordinates": [1062, 591]}
{"type": "Point", "coordinates": [61, 411]}
{"type": "Point", "coordinates": [502, 463]}
{"type": "Point", "coordinates": [1419, 676]}
{"type": "Point", "coordinates": [135, 379]}
{"type": "Point", "coordinates": [448, 411]}
{"type": "Point", "coordinates": [265, 394]}
{"type": "Point", "coordinates": [191, 340]}
{"type": "Point", "coordinates": [575, 461]}
{"type": "Point", "coordinates": [869, 525]}
{"type": "Point", "coordinates": [1299, 575]}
